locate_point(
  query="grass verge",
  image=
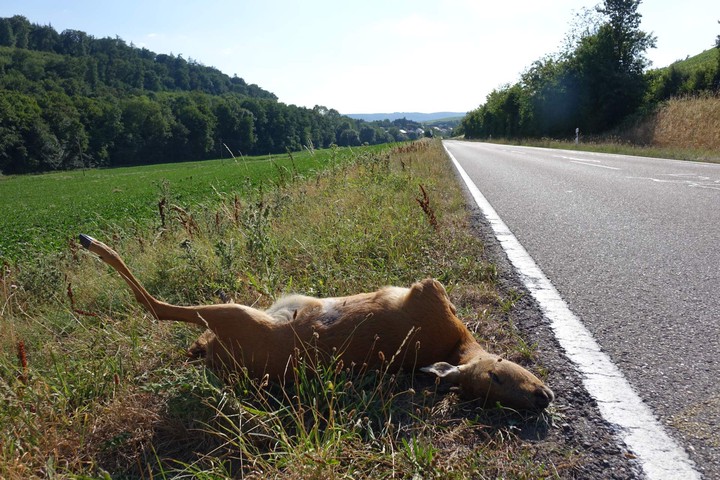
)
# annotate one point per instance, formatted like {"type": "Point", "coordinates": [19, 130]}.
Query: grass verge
{"type": "Point", "coordinates": [616, 145]}
{"type": "Point", "coordinates": [90, 386]}
{"type": "Point", "coordinates": [683, 128]}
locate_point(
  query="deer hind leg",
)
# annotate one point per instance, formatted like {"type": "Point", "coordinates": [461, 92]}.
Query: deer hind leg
{"type": "Point", "coordinates": [235, 331]}
{"type": "Point", "coordinates": [227, 320]}
{"type": "Point", "coordinates": [158, 309]}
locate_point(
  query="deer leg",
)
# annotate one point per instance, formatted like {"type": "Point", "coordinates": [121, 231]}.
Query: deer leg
{"type": "Point", "coordinates": [237, 330]}
{"type": "Point", "coordinates": [158, 309]}
{"type": "Point", "coordinates": [213, 316]}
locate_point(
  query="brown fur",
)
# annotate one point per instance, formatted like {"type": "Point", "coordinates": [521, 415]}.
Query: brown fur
{"type": "Point", "coordinates": [414, 328]}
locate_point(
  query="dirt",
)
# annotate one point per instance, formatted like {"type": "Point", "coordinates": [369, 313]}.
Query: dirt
{"type": "Point", "coordinates": [577, 425]}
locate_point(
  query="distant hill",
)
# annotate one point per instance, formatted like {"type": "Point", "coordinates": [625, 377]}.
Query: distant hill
{"type": "Point", "coordinates": [70, 100]}
{"type": "Point", "coordinates": [414, 116]}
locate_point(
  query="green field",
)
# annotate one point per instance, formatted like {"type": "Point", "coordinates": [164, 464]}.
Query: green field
{"type": "Point", "coordinates": [40, 212]}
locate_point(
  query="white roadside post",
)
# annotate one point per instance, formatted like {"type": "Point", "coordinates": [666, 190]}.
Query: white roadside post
{"type": "Point", "coordinates": [577, 135]}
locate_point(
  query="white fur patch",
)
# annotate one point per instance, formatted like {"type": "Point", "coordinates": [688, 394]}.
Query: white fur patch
{"type": "Point", "coordinates": [285, 309]}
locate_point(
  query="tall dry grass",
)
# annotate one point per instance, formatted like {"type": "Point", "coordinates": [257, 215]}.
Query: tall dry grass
{"type": "Point", "coordinates": [690, 123]}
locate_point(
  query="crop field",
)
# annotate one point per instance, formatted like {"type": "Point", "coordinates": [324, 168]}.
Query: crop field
{"type": "Point", "coordinates": [38, 213]}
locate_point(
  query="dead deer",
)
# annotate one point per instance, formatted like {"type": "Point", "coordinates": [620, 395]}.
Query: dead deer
{"type": "Point", "coordinates": [417, 326]}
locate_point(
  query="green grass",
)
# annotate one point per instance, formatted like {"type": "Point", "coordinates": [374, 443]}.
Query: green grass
{"type": "Point", "coordinates": [102, 390]}
{"type": "Point", "coordinates": [40, 212]}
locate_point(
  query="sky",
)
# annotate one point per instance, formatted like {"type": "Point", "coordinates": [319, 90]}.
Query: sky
{"type": "Point", "coordinates": [369, 56]}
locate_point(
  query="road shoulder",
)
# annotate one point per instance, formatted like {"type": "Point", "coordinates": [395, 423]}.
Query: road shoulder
{"type": "Point", "coordinates": [577, 424]}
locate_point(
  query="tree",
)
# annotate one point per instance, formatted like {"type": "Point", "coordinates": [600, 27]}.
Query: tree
{"type": "Point", "coordinates": [550, 98]}
{"type": "Point", "coordinates": [102, 120]}
{"type": "Point", "coordinates": [667, 84]}
{"type": "Point", "coordinates": [7, 37]}
{"type": "Point", "coordinates": [593, 84]}
{"type": "Point", "coordinates": [628, 41]}
{"type": "Point", "coordinates": [235, 126]}
{"type": "Point", "coordinates": [75, 42]}
{"type": "Point", "coordinates": [367, 134]}
{"type": "Point", "coordinates": [180, 73]}
{"type": "Point", "coordinates": [504, 114]}
{"type": "Point", "coordinates": [264, 142]}
{"type": "Point", "coordinates": [70, 143]}
{"type": "Point", "coordinates": [21, 29]}
{"type": "Point", "coordinates": [19, 118]}
{"type": "Point", "coordinates": [70, 100]}
{"type": "Point", "coordinates": [349, 138]}
{"type": "Point", "coordinates": [608, 67]}
{"type": "Point", "coordinates": [44, 38]}
{"type": "Point", "coordinates": [193, 132]}
{"type": "Point", "coordinates": [146, 130]}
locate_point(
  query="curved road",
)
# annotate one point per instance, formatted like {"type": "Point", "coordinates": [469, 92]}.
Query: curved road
{"type": "Point", "coordinates": [632, 246]}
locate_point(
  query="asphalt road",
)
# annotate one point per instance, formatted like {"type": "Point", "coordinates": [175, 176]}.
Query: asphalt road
{"type": "Point", "coordinates": [632, 246]}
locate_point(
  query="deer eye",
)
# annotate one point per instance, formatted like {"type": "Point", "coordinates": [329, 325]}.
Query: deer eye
{"type": "Point", "coordinates": [495, 378]}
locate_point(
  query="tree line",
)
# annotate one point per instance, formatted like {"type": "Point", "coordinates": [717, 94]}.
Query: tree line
{"type": "Point", "coordinates": [597, 80]}
{"type": "Point", "coordinates": [70, 100]}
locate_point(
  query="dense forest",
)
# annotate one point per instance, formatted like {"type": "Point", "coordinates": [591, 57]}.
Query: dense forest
{"type": "Point", "coordinates": [598, 80]}
{"type": "Point", "coordinates": [70, 100]}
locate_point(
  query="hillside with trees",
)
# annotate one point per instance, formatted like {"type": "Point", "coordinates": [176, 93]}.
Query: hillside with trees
{"type": "Point", "coordinates": [70, 100]}
{"type": "Point", "coordinates": [598, 81]}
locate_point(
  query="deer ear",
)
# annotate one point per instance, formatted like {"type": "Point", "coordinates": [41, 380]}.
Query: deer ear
{"type": "Point", "coordinates": [443, 370]}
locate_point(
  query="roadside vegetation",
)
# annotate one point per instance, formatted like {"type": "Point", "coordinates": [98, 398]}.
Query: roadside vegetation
{"type": "Point", "coordinates": [689, 123]}
{"type": "Point", "coordinates": [682, 129]}
{"type": "Point", "coordinates": [91, 386]}
{"type": "Point", "coordinates": [600, 83]}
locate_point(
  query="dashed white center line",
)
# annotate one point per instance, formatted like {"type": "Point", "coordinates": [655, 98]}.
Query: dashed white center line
{"type": "Point", "coordinates": [595, 165]}
{"type": "Point", "coordinates": [578, 159]}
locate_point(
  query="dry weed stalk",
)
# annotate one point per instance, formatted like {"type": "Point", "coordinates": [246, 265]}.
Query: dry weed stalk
{"type": "Point", "coordinates": [690, 123]}
{"type": "Point", "coordinates": [187, 220]}
{"type": "Point", "coordinates": [161, 208]}
{"type": "Point", "coordinates": [73, 247]}
{"type": "Point", "coordinates": [71, 296]}
{"type": "Point", "coordinates": [6, 289]}
{"type": "Point", "coordinates": [424, 202]}
{"type": "Point", "coordinates": [413, 147]}
{"type": "Point", "coordinates": [237, 209]}
{"type": "Point", "coordinates": [22, 358]}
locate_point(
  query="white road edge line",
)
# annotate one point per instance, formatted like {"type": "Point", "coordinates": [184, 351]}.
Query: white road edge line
{"type": "Point", "coordinates": [659, 455]}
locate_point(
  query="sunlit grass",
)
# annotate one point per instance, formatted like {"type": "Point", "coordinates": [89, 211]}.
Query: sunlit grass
{"type": "Point", "coordinates": [104, 389]}
{"type": "Point", "coordinates": [40, 212]}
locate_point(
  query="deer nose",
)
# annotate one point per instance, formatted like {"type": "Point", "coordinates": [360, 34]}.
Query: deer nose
{"type": "Point", "coordinates": [543, 397]}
